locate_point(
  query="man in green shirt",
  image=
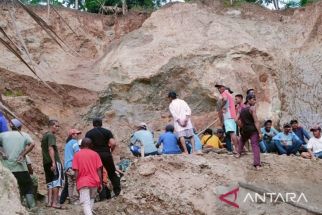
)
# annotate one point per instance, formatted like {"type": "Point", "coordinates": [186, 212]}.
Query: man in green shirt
{"type": "Point", "coordinates": [52, 164]}
{"type": "Point", "coordinates": [15, 145]}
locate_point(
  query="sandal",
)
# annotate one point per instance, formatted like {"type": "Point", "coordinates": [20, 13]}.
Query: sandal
{"type": "Point", "coordinates": [237, 155]}
{"type": "Point", "coordinates": [60, 207]}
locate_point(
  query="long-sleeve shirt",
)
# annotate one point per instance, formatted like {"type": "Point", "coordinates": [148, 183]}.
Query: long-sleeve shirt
{"type": "Point", "coordinates": [289, 138]}
{"type": "Point", "coordinates": [302, 133]}
{"type": "Point", "coordinates": [180, 110]}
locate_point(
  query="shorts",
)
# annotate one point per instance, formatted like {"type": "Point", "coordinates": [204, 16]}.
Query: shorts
{"type": "Point", "coordinates": [54, 179]}
{"type": "Point", "coordinates": [185, 133]}
{"type": "Point", "coordinates": [24, 182]}
{"type": "Point", "coordinates": [230, 125]}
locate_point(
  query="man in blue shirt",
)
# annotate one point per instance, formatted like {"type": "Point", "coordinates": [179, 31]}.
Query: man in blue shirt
{"type": "Point", "coordinates": [142, 143]}
{"type": "Point", "coordinates": [169, 141]}
{"type": "Point", "coordinates": [70, 149]}
{"type": "Point", "coordinates": [287, 142]}
{"type": "Point", "coordinates": [267, 145]}
{"type": "Point", "coordinates": [301, 133]}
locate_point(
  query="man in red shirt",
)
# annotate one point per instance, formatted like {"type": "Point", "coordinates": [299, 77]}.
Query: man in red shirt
{"type": "Point", "coordinates": [87, 165]}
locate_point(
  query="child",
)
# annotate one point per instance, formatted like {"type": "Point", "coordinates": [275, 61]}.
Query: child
{"type": "Point", "coordinates": [88, 171]}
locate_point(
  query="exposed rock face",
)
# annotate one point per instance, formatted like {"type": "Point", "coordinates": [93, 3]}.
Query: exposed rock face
{"type": "Point", "coordinates": [9, 193]}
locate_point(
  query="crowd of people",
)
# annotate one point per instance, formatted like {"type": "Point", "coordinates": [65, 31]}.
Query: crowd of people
{"type": "Point", "coordinates": [88, 161]}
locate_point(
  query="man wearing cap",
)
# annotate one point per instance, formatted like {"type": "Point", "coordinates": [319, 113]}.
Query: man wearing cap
{"type": "Point", "coordinates": [249, 124]}
{"type": "Point", "coordinates": [267, 145]}
{"type": "Point", "coordinates": [287, 142]}
{"type": "Point", "coordinates": [16, 145]}
{"type": "Point", "coordinates": [228, 113]}
{"type": "Point", "coordinates": [104, 143]}
{"type": "Point", "coordinates": [70, 149]}
{"type": "Point", "coordinates": [181, 114]}
{"type": "Point", "coordinates": [314, 145]}
{"type": "Point", "coordinates": [142, 143]}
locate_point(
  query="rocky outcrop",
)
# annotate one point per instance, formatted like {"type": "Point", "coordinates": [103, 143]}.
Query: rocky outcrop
{"type": "Point", "coordinates": [9, 193]}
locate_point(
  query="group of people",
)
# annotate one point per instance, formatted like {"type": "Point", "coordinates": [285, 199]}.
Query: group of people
{"type": "Point", "coordinates": [86, 160]}
{"type": "Point", "coordinates": [83, 167]}
{"type": "Point", "coordinates": [240, 124]}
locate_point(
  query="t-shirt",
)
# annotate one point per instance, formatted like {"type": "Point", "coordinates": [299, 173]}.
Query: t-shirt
{"type": "Point", "coordinates": [100, 138]}
{"type": "Point", "coordinates": [145, 138]}
{"type": "Point", "coordinates": [13, 143]}
{"type": "Point", "coordinates": [213, 141]}
{"type": "Point", "coordinates": [198, 145]}
{"type": "Point", "coordinates": [87, 162]}
{"type": "Point", "coordinates": [315, 144]}
{"type": "Point", "coordinates": [70, 149]}
{"type": "Point", "coordinates": [49, 139]}
{"type": "Point", "coordinates": [179, 110]}
{"type": "Point", "coordinates": [3, 123]}
{"type": "Point", "coordinates": [170, 143]}
{"type": "Point", "coordinates": [229, 107]}
{"type": "Point", "coordinates": [268, 135]}
{"type": "Point", "coordinates": [289, 138]}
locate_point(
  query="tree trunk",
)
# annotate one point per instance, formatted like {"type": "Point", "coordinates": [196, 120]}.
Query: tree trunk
{"type": "Point", "coordinates": [124, 7]}
{"type": "Point", "coordinates": [76, 4]}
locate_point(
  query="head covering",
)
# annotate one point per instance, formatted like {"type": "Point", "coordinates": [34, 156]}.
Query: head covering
{"type": "Point", "coordinates": [219, 85]}
{"type": "Point", "coordinates": [16, 123]}
{"type": "Point", "coordinates": [315, 128]}
{"type": "Point", "coordinates": [287, 125]}
{"type": "Point", "coordinates": [142, 125]}
{"type": "Point", "coordinates": [73, 131]}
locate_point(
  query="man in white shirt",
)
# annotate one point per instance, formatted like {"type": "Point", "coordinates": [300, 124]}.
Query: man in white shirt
{"type": "Point", "coordinates": [181, 114]}
{"type": "Point", "coordinates": [314, 145]}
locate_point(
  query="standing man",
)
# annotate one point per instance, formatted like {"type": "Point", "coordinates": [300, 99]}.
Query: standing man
{"type": "Point", "coordinates": [181, 114]}
{"type": "Point", "coordinates": [104, 144]}
{"type": "Point", "coordinates": [228, 112]}
{"type": "Point", "coordinates": [15, 146]}
{"type": "Point", "coordinates": [52, 165]}
{"type": "Point", "coordinates": [250, 129]}
{"type": "Point", "coordinates": [70, 149]}
{"type": "Point", "coordinates": [239, 103]}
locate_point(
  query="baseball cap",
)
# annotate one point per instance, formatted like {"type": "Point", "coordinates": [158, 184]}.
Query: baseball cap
{"type": "Point", "coordinates": [73, 131]}
{"type": "Point", "coordinates": [315, 128]}
{"type": "Point", "coordinates": [142, 125]}
{"type": "Point", "coordinates": [219, 85]}
{"type": "Point", "coordinates": [16, 123]}
{"type": "Point", "coordinates": [287, 125]}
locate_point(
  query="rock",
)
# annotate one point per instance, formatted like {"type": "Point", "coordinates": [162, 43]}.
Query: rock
{"type": "Point", "coordinates": [233, 12]}
{"type": "Point", "coordinates": [9, 193]}
{"type": "Point", "coordinates": [147, 169]}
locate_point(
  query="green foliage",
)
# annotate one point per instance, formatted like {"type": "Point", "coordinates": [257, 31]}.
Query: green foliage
{"type": "Point", "coordinates": [13, 93]}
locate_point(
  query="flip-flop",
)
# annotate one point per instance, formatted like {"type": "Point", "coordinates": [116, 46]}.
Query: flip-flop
{"type": "Point", "coordinates": [59, 207]}
{"type": "Point", "coordinates": [237, 155]}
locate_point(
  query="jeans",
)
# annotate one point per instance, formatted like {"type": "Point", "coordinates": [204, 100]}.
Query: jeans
{"type": "Point", "coordinates": [87, 197]}
{"type": "Point", "coordinates": [254, 139]}
{"type": "Point", "coordinates": [228, 142]}
{"type": "Point", "coordinates": [267, 146]}
{"type": "Point", "coordinates": [289, 149]}
{"type": "Point", "coordinates": [318, 155]}
{"type": "Point", "coordinates": [108, 164]}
